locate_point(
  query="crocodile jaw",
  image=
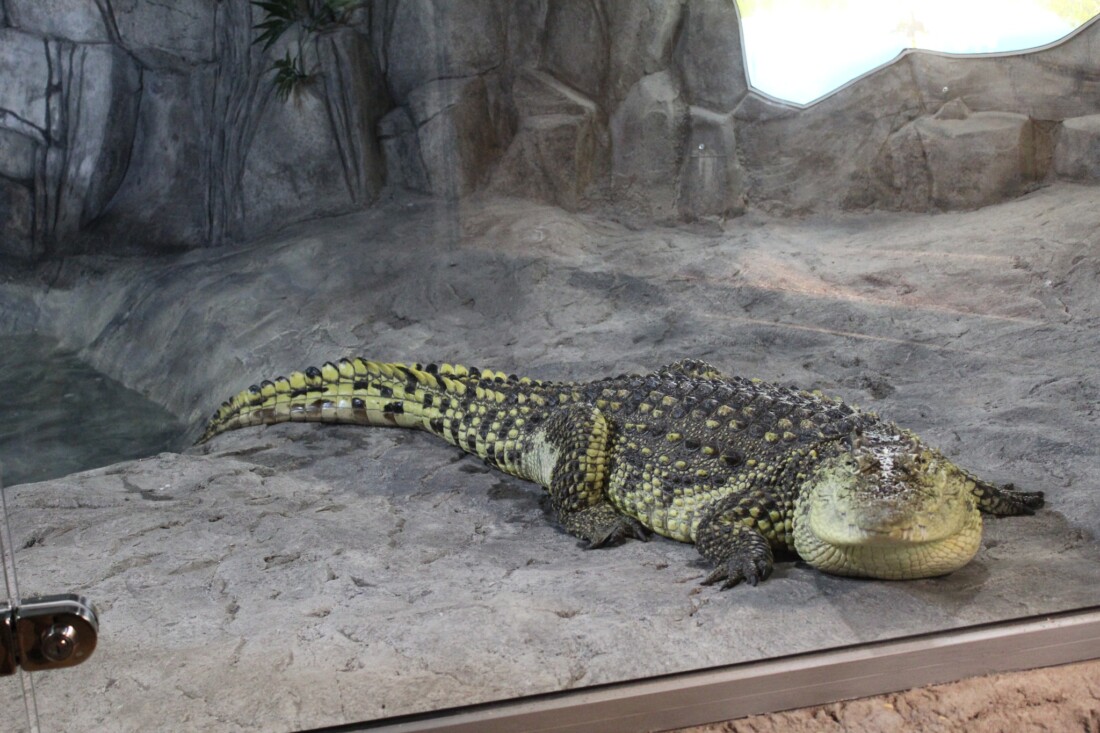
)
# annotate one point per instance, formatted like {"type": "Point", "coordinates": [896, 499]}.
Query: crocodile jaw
{"type": "Point", "coordinates": [923, 525]}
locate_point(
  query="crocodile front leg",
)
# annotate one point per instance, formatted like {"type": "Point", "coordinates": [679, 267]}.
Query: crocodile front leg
{"type": "Point", "coordinates": [569, 456]}
{"type": "Point", "coordinates": [739, 552]}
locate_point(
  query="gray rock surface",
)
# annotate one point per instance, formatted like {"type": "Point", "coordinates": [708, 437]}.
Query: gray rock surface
{"type": "Point", "coordinates": [456, 133]}
{"type": "Point", "coordinates": [648, 134]}
{"type": "Point", "coordinates": [25, 67]}
{"type": "Point", "coordinates": [575, 46]}
{"type": "Point", "coordinates": [561, 147]}
{"type": "Point", "coordinates": [95, 95]}
{"type": "Point", "coordinates": [71, 109]}
{"type": "Point", "coordinates": [1077, 152]}
{"type": "Point", "coordinates": [16, 156]}
{"type": "Point", "coordinates": [401, 151]}
{"type": "Point", "coordinates": [75, 20]}
{"type": "Point", "coordinates": [300, 575]}
{"type": "Point", "coordinates": [1050, 84]}
{"type": "Point", "coordinates": [16, 209]}
{"type": "Point", "coordinates": [429, 40]}
{"type": "Point", "coordinates": [793, 164]}
{"type": "Point", "coordinates": [212, 161]}
{"type": "Point", "coordinates": [642, 37]}
{"type": "Point", "coordinates": [979, 159]}
{"type": "Point", "coordinates": [956, 159]}
{"type": "Point", "coordinates": [166, 185]}
{"type": "Point", "coordinates": [193, 128]}
{"type": "Point", "coordinates": [711, 181]}
{"type": "Point", "coordinates": [795, 161]}
{"type": "Point", "coordinates": [709, 55]}
{"type": "Point", "coordinates": [327, 173]}
{"type": "Point", "coordinates": [179, 34]}
{"type": "Point", "coordinates": [17, 163]}
{"type": "Point", "coordinates": [270, 185]}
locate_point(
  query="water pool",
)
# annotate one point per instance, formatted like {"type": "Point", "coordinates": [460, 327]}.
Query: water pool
{"type": "Point", "coordinates": [59, 415]}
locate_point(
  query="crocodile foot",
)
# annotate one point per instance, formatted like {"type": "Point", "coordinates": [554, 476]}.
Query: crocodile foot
{"type": "Point", "coordinates": [751, 568]}
{"type": "Point", "coordinates": [1007, 500]}
{"type": "Point", "coordinates": [737, 551]}
{"type": "Point", "coordinates": [617, 531]}
{"type": "Point", "coordinates": [601, 525]}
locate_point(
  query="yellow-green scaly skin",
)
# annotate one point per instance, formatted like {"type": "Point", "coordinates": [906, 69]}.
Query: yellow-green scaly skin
{"type": "Point", "coordinates": [739, 467]}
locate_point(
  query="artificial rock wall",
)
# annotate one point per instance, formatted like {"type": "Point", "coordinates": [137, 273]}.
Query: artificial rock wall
{"type": "Point", "coordinates": [136, 125]}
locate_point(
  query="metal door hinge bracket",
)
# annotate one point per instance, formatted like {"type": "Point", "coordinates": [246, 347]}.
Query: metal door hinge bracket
{"type": "Point", "coordinates": [47, 632]}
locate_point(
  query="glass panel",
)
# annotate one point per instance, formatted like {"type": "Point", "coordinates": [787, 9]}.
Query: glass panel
{"type": "Point", "coordinates": [18, 706]}
{"type": "Point", "coordinates": [800, 50]}
{"type": "Point", "coordinates": [295, 576]}
{"type": "Point", "coordinates": [560, 190]}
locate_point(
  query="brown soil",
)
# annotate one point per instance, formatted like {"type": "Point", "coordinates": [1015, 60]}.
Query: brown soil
{"type": "Point", "coordinates": [1065, 698]}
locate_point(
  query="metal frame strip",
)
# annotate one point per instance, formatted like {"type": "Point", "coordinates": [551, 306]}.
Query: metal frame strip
{"type": "Point", "coordinates": [814, 678]}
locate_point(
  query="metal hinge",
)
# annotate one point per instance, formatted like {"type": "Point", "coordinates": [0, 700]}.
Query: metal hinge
{"type": "Point", "coordinates": [47, 632]}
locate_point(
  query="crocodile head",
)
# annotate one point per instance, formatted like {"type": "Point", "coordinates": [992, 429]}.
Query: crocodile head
{"type": "Point", "coordinates": [885, 506]}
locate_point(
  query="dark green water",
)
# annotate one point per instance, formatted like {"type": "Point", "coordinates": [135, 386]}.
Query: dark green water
{"type": "Point", "coordinates": [58, 415]}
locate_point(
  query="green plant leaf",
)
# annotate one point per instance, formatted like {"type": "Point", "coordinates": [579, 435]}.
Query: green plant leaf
{"type": "Point", "coordinates": [290, 75]}
{"type": "Point", "coordinates": [311, 17]}
{"type": "Point", "coordinates": [280, 16]}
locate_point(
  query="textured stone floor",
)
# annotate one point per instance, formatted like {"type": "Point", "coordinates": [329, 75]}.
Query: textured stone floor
{"type": "Point", "coordinates": [306, 575]}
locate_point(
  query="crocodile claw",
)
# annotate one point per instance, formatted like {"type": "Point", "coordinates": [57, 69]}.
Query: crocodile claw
{"type": "Point", "coordinates": [1007, 500]}
{"type": "Point", "coordinates": [1026, 502]}
{"type": "Point", "coordinates": [751, 569]}
{"type": "Point", "coordinates": [615, 532]}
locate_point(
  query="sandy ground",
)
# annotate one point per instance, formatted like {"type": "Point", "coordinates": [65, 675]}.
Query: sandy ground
{"type": "Point", "coordinates": [302, 575]}
{"type": "Point", "coordinates": [1055, 699]}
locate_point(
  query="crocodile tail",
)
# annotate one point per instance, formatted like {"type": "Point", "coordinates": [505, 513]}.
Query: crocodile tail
{"type": "Point", "coordinates": [351, 391]}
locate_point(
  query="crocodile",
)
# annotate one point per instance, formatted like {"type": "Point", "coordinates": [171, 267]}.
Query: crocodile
{"type": "Point", "coordinates": [740, 467]}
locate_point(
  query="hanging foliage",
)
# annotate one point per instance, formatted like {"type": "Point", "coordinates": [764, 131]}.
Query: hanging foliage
{"type": "Point", "coordinates": [307, 18]}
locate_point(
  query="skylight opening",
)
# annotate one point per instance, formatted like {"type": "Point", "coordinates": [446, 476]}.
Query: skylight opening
{"type": "Point", "coordinates": [801, 50]}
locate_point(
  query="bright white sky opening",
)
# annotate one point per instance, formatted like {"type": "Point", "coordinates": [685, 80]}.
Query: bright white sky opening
{"type": "Point", "coordinates": [800, 50]}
